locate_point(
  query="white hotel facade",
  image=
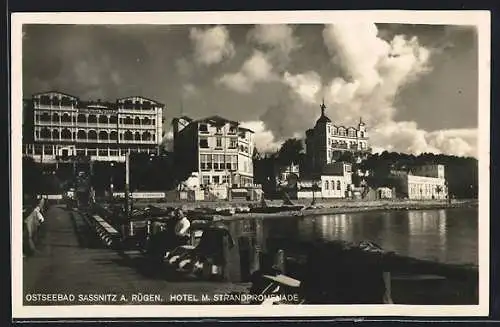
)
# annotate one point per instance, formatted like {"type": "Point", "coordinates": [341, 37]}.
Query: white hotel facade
{"type": "Point", "coordinates": [58, 127]}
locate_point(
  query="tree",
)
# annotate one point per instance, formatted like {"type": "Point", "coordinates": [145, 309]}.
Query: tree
{"type": "Point", "coordinates": [290, 151]}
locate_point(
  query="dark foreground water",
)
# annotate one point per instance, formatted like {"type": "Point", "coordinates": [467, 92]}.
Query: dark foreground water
{"type": "Point", "coordinates": [448, 235]}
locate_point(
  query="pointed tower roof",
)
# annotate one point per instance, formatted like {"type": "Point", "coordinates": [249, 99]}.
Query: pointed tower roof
{"type": "Point", "coordinates": [323, 118]}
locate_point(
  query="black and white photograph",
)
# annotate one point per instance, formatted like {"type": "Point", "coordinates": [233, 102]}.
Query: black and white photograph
{"type": "Point", "coordinates": [240, 164]}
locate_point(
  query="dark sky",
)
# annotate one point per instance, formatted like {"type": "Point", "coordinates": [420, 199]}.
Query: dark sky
{"type": "Point", "coordinates": [273, 76]}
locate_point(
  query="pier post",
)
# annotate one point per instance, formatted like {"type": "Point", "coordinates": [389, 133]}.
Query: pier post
{"type": "Point", "coordinates": [127, 193]}
{"type": "Point", "coordinates": [280, 261]}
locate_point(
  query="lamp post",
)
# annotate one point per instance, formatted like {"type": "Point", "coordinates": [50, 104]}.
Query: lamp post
{"type": "Point", "coordinates": [111, 186]}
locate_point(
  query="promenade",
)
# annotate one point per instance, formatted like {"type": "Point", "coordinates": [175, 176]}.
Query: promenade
{"type": "Point", "coordinates": [70, 261]}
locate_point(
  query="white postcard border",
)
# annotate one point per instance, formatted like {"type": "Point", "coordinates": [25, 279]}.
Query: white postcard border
{"type": "Point", "coordinates": [480, 19]}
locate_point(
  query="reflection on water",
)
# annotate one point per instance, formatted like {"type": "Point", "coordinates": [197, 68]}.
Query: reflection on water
{"type": "Point", "coordinates": [449, 235]}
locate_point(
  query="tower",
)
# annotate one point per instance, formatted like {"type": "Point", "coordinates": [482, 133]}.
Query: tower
{"type": "Point", "coordinates": [361, 128]}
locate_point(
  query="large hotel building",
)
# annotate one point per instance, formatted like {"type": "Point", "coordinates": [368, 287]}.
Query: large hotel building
{"type": "Point", "coordinates": [58, 127]}
{"type": "Point", "coordinates": [219, 150]}
{"type": "Point", "coordinates": [327, 139]}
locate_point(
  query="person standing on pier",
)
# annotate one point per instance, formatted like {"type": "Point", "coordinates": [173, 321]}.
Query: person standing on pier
{"type": "Point", "coordinates": [181, 228]}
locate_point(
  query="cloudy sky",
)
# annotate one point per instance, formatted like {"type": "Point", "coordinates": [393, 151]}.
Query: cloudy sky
{"type": "Point", "coordinates": [414, 85]}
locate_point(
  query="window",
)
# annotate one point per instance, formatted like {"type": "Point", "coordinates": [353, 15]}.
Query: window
{"type": "Point", "coordinates": [219, 142]}
{"type": "Point", "coordinates": [203, 128]}
{"type": "Point", "coordinates": [362, 134]}
{"type": "Point", "coordinates": [137, 136]}
{"type": "Point", "coordinates": [137, 121]}
{"type": "Point", "coordinates": [218, 130]}
{"type": "Point", "coordinates": [48, 150]}
{"type": "Point", "coordinates": [81, 135]}
{"type": "Point", "coordinates": [218, 161]}
{"type": "Point", "coordinates": [45, 117]}
{"type": "Point", "coordinates": [225, 179]}
{"type": "Point", "coordinates": [91, 152]}
{"type": "Point", "coordinates": [326, 185]}
{"type": "Point", "coordinates": [80, 152]}
{"type": "Point", "coordinates": [38, 149]}
{"type": "Point", "coordinates": [216, 179]}
{"type": "Point", "coordinates": [206, 180]}
{"type": "Point", "coordinates": [128, 135]}
{"type": "Point", "coordinates": [333, 185]}
{"type": "Point", "coordinates": [103, 152]}
{"type": "Point", "coordinates": [66, 134]}
{"type": "Point", "coordinates": [204, 160]}
{"type": "Point", "coordinates": [338, 185]}
{"type": "Point", "coordinates": [204, 143]}
{"type": "Point", "coordinates": [103, 135]}
{"type": "Point", "coordinates": [92, 119]}
{"type": "Point", "coordinates": [113, 152]}
{"type": "Point", "coordinates": [92, 135]}
{"type": "Point", "coordinates": [234, 162]}
{"type": "Point", "coordinates": [81, 118]}
{"type": "Point", "coordinates": [233, 143]}
{"type": "Point", "coordinates": [103, 119]}
{"type": "Point", "coordinates": [113, 119]}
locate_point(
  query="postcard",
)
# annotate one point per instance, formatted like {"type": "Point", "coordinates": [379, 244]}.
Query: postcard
{"type": "Point", "coordinates": [250, 164]}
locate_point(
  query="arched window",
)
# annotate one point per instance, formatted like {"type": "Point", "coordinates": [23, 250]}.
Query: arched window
{"type": "Point", "coordinates": [65, 134]}
{"type": "Point", "coordinates": [45, 117]}
{"type": "Point", "coordinates": [333, 185]}
{"type": "Point", "coordinates": [137, 136]}
{"type": "Point", "coordinates": [326, 185]}
{"type": "Point", "coordinates": [146, 121]}
{"type": "Point", "coordinates": [103, 135]}
{"type": "Point", "coordinates": [113, 136]}
{"type": "Point", "coordinates": [137, 105]}
{"type": "Point", "coordinates": [128, 104]}
{"type": "Point", "coordinates": [81, 118]}
{"type": "Point", "coordinates": [45, 100]}
{"type": "Point", "coordinates": [146, 136]}
{"type": "Point", "coordinates": [66, 101]}
{"type": "Point", "coordinates": [55, 101]}
{"type": "Point", "coordinates": [92, 119]}
{"type": "Point", "coordinates": [137, 121]}
{"type": "Point", "coordinates": [128, 135]}
{"type": "Point", "coordinates": [103, 119]}
{"type": "Point", "coordinates": [66, 118]}
{"type": "Point", "coordinates": [55, 134]}
{"type": "Point", "coordinates": [113, 119]}
{"type": "Point", "coordinates": [45, 133]}
{"type": "Point", "coordinates": [92, 135]}
{"type": "Point", "coordinates": [338, 185]}
{"type": "Point", "coordinates": [55, 117]}
{"type": "Point", "coordinates": [128, 120]}
{"type": "Point", "coordinates": [81, 135]}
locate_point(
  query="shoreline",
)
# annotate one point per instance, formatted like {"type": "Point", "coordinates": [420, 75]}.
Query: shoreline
{"type": "Point", "coordinates": [355, 208]}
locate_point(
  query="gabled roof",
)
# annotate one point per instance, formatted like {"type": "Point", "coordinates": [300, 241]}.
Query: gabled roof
{"type": "Point", "coordinates": [142, 97]}
{"type": "Point", "coordinates": [58, 92]}
{"type": "Point", "coordinates": [216, 119]}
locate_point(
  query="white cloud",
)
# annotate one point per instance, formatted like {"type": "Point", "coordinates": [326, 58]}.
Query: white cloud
{"type": "Point", "coordinates": [255, 69]}
{"type": "Point", "coordinates": [307, 86]}
{"type": "Point", "coordinates": [189, 89]}
{"type": "Point", "coordinates": [407, 137]}
{"type": "Point", "coordinates": [211, 45]}
{"type": "Point", "coordinates": [264, 139]}
{"type": "Point", "coordinates": [373, 72]}
{"type": "Point", "coordinates": [278, 38]}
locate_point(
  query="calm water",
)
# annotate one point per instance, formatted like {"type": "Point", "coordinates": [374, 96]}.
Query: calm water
{"type": "Point", "coordinates": [449, 235]}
